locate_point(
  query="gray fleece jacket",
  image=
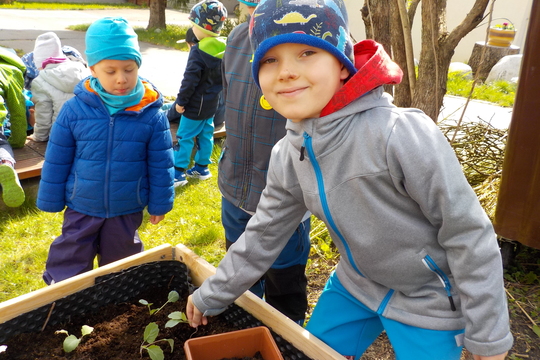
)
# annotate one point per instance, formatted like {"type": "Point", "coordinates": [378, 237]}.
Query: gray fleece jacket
{"type": "Point", "coordinates": [415, 244]}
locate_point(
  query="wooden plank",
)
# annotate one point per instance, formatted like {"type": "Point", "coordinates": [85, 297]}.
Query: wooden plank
{"type": "Point", "coordinates": [14, 307]}
{"type": "Point", "coordinates": [302, 339]}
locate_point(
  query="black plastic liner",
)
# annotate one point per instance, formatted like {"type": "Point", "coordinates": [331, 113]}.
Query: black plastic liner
{"type": "Point", "coordinates": [122, 287]}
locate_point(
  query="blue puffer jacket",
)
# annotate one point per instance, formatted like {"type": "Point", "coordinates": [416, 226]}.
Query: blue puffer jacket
{"type": "Point", "coordinates": [106, 166]}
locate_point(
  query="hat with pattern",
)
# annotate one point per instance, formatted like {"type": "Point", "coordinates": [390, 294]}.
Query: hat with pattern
{"type": "Point", "coordinates": [209, 16]}
{"type": "Point", "coordinates": [319, 23]}
{"type": "Point", "coordinates": [250, 3]}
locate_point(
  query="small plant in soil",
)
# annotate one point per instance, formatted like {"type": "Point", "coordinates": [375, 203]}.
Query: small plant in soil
{"type": "Point", "coordinates": [173, 297]}
{"type": "Point", "coordinates": [151, 333]}
{"type": "Point", "coordinates": [71, 341]}
{"type": "Point", "coordinates": [176, 317]}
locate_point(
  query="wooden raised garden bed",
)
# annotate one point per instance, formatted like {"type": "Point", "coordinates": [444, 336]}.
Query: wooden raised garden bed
{"type": "Point", "coordinates": [122, 284]}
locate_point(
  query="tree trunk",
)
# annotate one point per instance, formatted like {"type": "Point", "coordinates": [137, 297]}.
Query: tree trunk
{"type": "Point", "coordinates": [402, 93]}
{"type": "Point", "coordinates": [381, 18]}
{"type": "Point", "coordinates": [437, 50]}
{"type": "Point", "coordinates": [484, 57]}
{"type": "Point", "coordinates": [157, 14]}
{"type": "Point", "coordinates": [376, 16]}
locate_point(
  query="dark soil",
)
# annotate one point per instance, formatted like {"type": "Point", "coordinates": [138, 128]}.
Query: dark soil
{"type": "Point", "coordinates": [118, 333]}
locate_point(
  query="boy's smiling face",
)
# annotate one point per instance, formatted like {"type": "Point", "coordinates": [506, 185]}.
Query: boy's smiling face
{"type": "Point", "coordinates": [117, 77]}
{"type": "Point", "coordinates": [299, 80]}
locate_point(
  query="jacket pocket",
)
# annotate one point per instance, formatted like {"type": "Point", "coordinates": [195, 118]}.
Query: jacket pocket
{"type": "Point", "coordinates": [433, 267]}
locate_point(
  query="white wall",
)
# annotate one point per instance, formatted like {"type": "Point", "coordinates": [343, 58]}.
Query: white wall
{"type": "Point", "coordinates": [517, 11]}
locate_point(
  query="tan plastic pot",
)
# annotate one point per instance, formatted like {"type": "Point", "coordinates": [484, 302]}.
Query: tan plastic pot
{"type": "Point", "coordinates": [234, 344]}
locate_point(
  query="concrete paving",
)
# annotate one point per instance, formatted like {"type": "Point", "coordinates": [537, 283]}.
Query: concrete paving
{"type": "Point", "coordinates": [163, 66]}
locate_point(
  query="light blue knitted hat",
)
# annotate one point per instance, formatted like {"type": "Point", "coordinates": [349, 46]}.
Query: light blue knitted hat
{"type": "Point", "coordinates": [111, 38]}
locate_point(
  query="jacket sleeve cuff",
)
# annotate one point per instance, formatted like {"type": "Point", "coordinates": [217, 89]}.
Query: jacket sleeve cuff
{"type": "Point", "coordinates": [489, 348]}
{"type": "Point", "coordinates": [200, 305]}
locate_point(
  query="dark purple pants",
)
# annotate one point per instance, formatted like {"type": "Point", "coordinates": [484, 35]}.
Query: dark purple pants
{"type": "Point", "coordinates": [83, 237]}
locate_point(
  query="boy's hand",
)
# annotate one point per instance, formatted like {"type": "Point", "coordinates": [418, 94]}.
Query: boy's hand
{"type": "Point", "coordinates": [155, 219]}
{"type": "Point", "coordinates": [195, 317]}
{"type": "Point", "coordinates": [179, 109]}
{"type": "Point", "coordinates": [494, 357]}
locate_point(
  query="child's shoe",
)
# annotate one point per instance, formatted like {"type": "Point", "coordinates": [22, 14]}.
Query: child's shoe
{"type": "Point", "coordinates": [179, 178]}
{"type": "Point", "coordinates": [12, 191]}
{"type": "Point", "coordinates": [199, 172]}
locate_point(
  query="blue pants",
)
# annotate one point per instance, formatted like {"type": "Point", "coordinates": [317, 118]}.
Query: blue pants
{"type": "Point", "coordinates": [83, 237]}
{"type": "Point", "coordinates": [349, 327]}
{"type": "Point", "coordinates": [188, 130]}
{"type": "Point", "coordinates": [284, 285]}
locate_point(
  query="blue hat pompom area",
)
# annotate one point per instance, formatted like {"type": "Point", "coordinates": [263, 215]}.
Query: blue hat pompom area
{"type": "Point", "coordinates": [319, 23]}
{"type": "Point", "coordinates": [112, 38]}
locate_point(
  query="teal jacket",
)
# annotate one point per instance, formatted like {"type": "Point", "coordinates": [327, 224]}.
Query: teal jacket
{"type": "Point", "coordinates": [12, 100]}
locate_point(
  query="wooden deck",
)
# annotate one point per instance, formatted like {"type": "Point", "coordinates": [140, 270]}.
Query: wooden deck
{"type": "Point", "coordinates": [30, 158]}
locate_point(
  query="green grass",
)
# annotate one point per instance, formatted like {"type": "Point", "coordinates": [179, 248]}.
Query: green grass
{"type": "Point", "coordinates": [65, 6]}
{"type": "Point", "coordinates": [26, 233]}
{"type": "Point", "coordinates": [167, 37]}
{"type": "Point", "coordinates": [499, 92]}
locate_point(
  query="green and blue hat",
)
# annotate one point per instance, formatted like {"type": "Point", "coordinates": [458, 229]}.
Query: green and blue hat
{"type": "Point", "coordinates": [209, 15]}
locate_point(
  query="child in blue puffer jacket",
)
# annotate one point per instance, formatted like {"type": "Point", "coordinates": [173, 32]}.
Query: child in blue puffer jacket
{"type": "Point", "coordinates": [109, 156]}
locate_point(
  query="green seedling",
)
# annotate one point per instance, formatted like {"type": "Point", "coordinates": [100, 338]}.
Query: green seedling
{"type": "Point", "coordinates": [173, 297]}
{"type": "Point", "coordinates": [176, 317]}
{"type": "Point", "coordinates": [151, 333]}
{"type": "Point", "coordinates": [71, 341]}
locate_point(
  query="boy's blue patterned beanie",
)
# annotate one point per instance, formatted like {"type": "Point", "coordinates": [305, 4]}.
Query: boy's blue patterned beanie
{"type": "Point", "coordinates": [319, 23]}
{"type": "Point", "coordinates": [111, 38]}
{"type": "Point", "coordinates": [209, 15]}
{"type": "Point", "coordinates": [250, 3]}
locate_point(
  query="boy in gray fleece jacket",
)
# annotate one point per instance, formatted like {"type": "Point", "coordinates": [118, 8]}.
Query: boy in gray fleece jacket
{"type": "Point", "coordinates": [419, 257]}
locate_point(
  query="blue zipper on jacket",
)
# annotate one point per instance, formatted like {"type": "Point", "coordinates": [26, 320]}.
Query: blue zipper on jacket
{"type": "Point", "coordinates": [431, 265]}
{"type": "Point", "coordinates": [322, 194]}
{"type": "Point", "coordinates": [108, 167]}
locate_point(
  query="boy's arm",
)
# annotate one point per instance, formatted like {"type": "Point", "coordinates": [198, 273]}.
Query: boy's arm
{"type": "Point", "coordinates": [16, 105]}
{"type": "Point", "coordinates": [427, 170]}
{"type": "Point", "coordinates": [192, 76]}
{"type": "Point", "coordinates": [160, 168]}
{"type": "Point", "coordinates": [59, 159]}
{"type": "Point", "coordinates": [43, 112]}
{"type": "Point", "coordinates": [276, 218]}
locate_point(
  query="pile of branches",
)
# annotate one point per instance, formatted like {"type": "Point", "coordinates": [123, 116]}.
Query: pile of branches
{"type": "Point", "coordinates": [479, 147]}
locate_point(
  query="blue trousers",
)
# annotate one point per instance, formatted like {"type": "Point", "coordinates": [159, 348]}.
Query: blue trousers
{"type": "Point", "coordinates": [284, 285]}
{"type": "Point", "coordinates": [84, 237]}
{"type": "Point", "coordinates": [188, 131]}
{"type": "Point", "coordinates": [349, 327]}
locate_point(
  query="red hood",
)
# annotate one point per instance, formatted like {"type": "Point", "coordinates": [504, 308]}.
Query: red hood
{"type": "Point", "coordinates": [375, 68]}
